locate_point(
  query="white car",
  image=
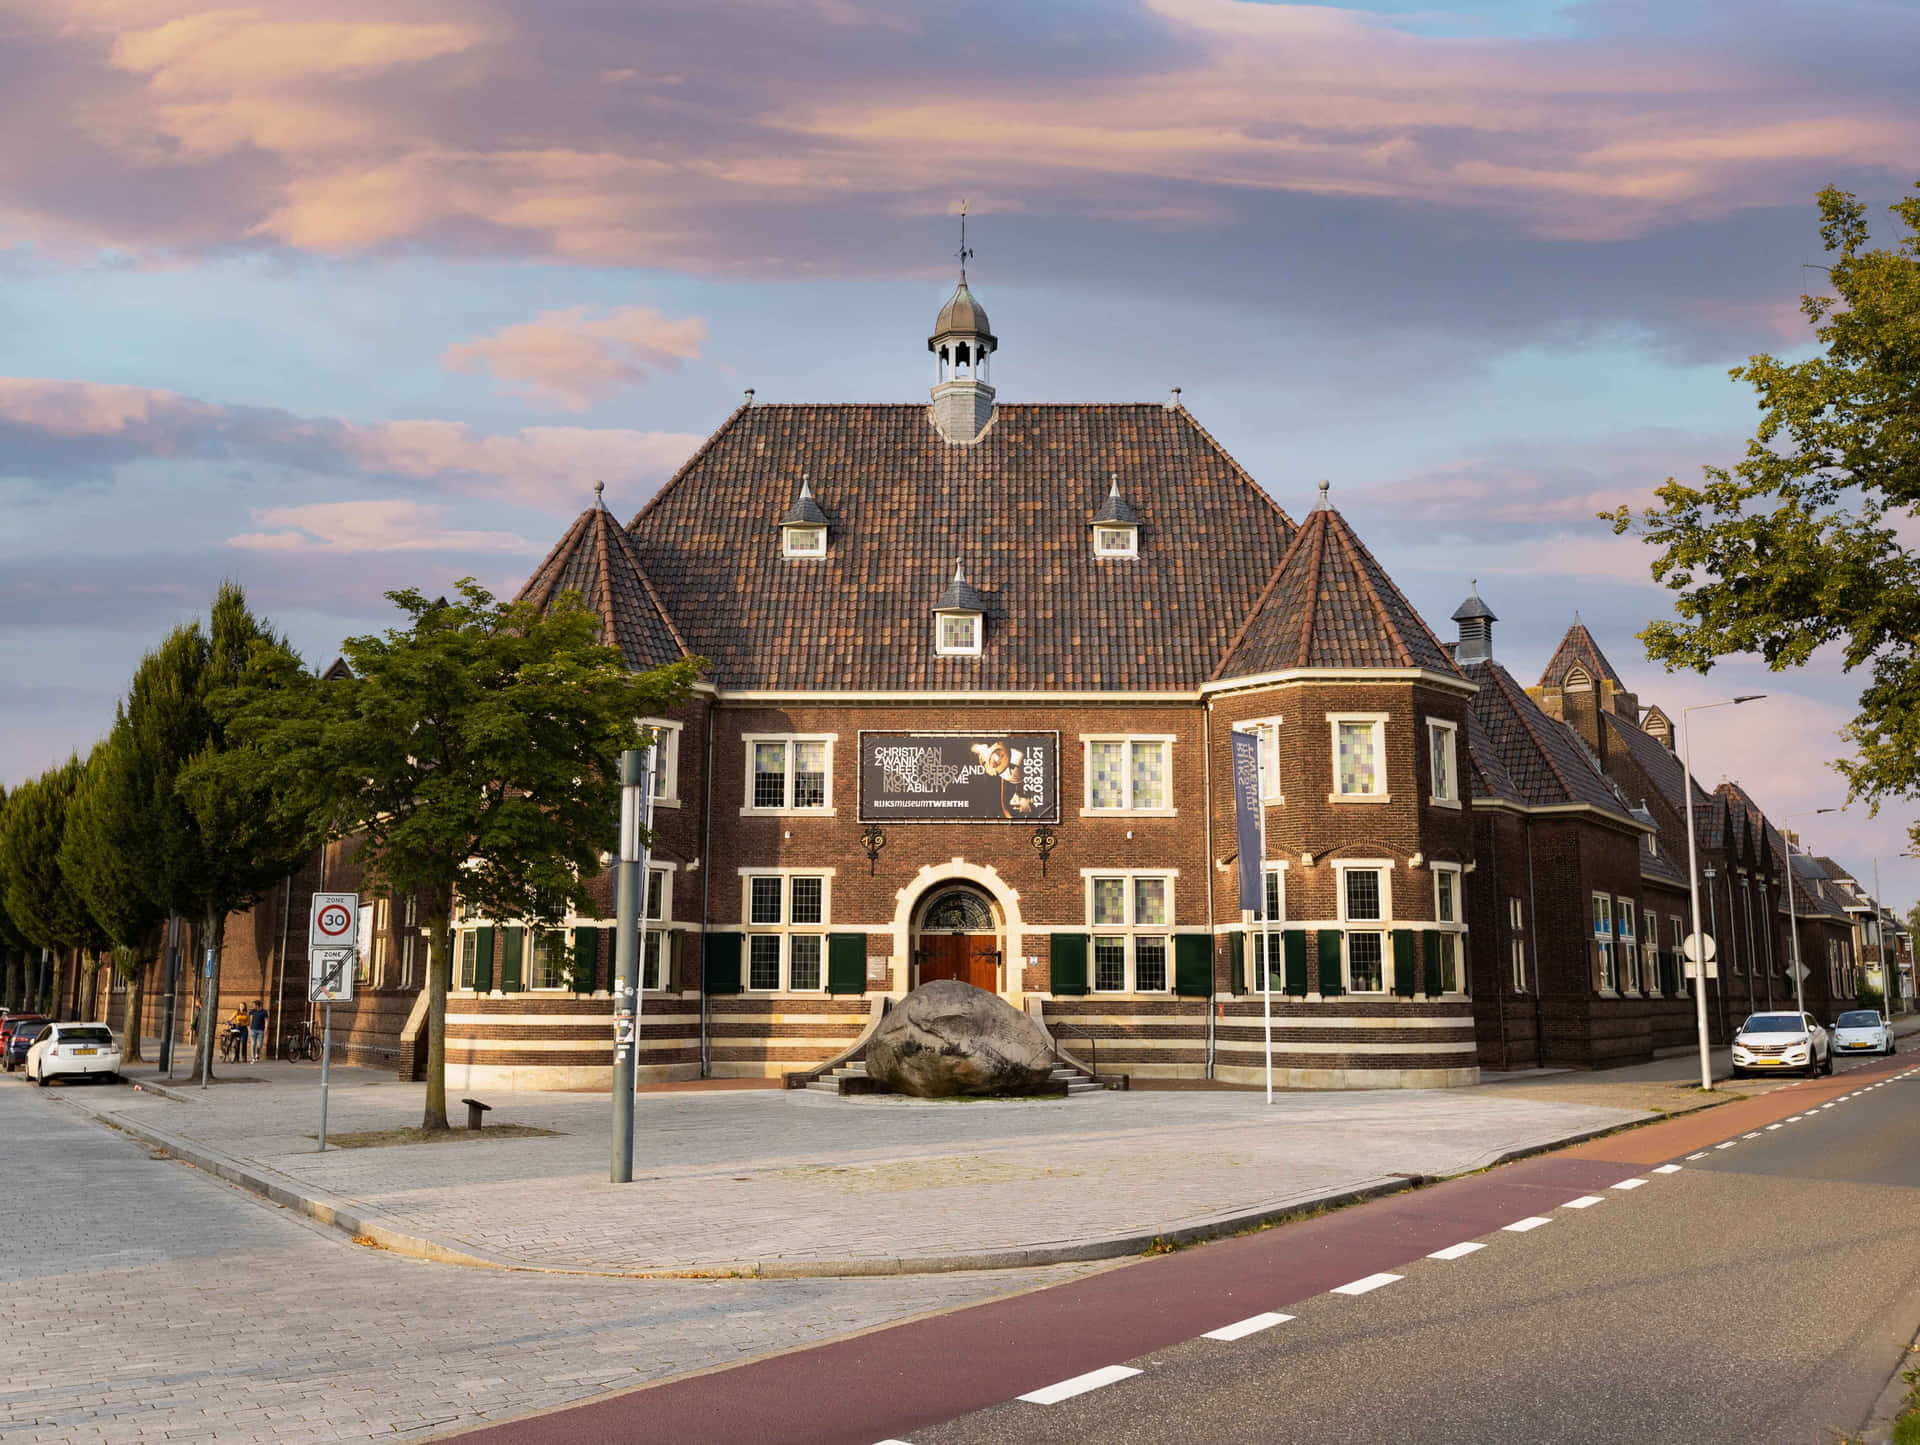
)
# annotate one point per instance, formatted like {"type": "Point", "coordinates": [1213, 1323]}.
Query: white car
{"type": "Point", "coordinates": [1775, 1043]}
{"type": "Point", "coordinates": [60, 1050]}
{"type": "Point", "coordinates": [1862, 1031]}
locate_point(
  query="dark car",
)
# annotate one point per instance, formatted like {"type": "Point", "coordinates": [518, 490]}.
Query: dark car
{"type": "Point", "coordinates": [16, 1037]}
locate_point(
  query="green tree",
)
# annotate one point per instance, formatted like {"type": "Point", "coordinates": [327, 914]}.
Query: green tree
{"type": "Point", "coordinates": [474, 754]}
{"type": "Point", "coordinates": [14, 946]}
{"type": "Point", "coordinates": [106, 853]}
{"type": "Point", "coordinates": [40, 899]}
{"type": "Point", "coordinates": [1799, 545]}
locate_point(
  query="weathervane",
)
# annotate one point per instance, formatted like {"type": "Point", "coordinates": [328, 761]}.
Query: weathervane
{"type": "Point", "coordinates": [964, 253]}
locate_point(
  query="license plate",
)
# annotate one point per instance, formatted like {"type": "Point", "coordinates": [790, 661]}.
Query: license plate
{"type": "Point", "coordinates": [86, 1051]}
{"type": "Point", "coordinates": [1766, 1061]}
{"type": "Point", "coordinates": [1856, 1046]}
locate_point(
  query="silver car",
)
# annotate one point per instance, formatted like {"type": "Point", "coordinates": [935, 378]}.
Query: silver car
{"type": "Point", "coordinates": [1773, 1043]}
{"type": "Point", "coordinates": [1862, 1031]}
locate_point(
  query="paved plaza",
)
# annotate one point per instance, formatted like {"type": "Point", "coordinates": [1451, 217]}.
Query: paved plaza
{"type": "Point", "coordinates": [790, 1181]}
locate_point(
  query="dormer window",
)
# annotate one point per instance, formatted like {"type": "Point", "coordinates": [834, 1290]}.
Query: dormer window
{"type": "Point", "coordinates": [803, 531]}
{"type": "Point", "coordinates": [959, 618]}
{"type": "Point", "coordinates": [1116, 526]}
{"type": "Point", "coordinates": [803, 541]}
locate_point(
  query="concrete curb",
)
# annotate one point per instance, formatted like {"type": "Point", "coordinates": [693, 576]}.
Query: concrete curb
{"type": "Point", "coordinates": [340, 1215]}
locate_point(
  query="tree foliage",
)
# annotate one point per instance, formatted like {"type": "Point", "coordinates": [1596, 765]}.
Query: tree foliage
{"type": "Point", "coordinates": [39, 897]}
{"type": "Point", "coordinates": [473, 752]}
{"type": "Point", "coordinates": [1810, 540]}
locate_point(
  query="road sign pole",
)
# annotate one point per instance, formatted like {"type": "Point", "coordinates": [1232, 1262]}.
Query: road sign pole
{"type": "Point", "coordinates": [629, 903]}
{"type": "Point", "coordinates": [326, 1057]}
{"type": "Point", "coordinates": [1693, 890]}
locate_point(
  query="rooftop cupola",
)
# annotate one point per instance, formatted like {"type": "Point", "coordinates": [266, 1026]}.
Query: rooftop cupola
{"type": "Point", "coordinates": [961, 344]}
{"type": "Point", "coordinates": [1476, 621]}
{"type": "Point", "coordinates": [959, 617]}
{"type": "Point", "coordinates": [1116, 526]}
{"type": "Point", "coordinates": [803, 531]}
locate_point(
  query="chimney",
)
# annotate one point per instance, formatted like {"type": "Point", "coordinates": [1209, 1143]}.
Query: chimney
{"type": "Point", "coordinates": [1476, 621]}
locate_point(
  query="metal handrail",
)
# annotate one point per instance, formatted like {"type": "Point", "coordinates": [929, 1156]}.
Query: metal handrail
{"type": "Point", "coordinates": [1093, 1051]}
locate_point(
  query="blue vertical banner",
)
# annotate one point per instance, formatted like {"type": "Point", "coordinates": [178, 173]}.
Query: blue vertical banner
{"type": "Point", "coordinates": [1246, 817]}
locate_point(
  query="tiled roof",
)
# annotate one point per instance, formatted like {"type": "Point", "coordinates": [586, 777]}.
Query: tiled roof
{"type": "Point", "coordinates": [1330, 604]}
{"type": "Point", "coordinates": [1578, 646]}
{"type": "Point", "coordinates": [597, 559]}
{"type": "Point", "coordinates": [1017, 505]}
{"type": "Point", "coordinates": [1543, 761]}
{"type": "Point", "coordinates": [1667, 773]}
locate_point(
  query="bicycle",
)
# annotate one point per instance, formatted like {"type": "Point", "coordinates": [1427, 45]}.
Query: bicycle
{"type": "Point", "coordinates": [300, 1042]}
{"type": "Point", "coordinates": [233, 1047]}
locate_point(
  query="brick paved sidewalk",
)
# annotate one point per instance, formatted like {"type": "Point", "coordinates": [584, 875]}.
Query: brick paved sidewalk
{"type": "Point", "coordinates": [799, 1183]}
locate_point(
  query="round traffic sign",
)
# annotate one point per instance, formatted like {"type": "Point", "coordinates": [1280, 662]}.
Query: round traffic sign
{"type": "Point", "coordinates": [335, 921]}
{"type": "Point", "coordinates": [1693, 945]}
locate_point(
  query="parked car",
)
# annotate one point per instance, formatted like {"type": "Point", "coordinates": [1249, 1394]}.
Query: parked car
{"type": "Point", "coordinates": [17, 1034]}
{"type": "Point", "coordinates": [1862, 1031]}
{"type": "Point", "coordinates": [1774, 1043]}
{"type": "Point", "coordinates": [61, 1050]}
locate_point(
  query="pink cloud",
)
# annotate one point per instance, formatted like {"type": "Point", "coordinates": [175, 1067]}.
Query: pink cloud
{"type": "Point", "coordinates": [390, 525]}
{"type": "Point", "coordinates": [573, 359]}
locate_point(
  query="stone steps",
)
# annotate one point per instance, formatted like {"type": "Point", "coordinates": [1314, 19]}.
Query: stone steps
{"type": "Point", "coordinates": [1076, 1080]}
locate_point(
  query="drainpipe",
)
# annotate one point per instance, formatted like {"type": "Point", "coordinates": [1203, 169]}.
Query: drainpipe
{"type": "Point", "coordinates": [1539, 974]}
{"type": "Point", "coordinates": [1499, 964]}
{"type": "Point", "coordinates": [706, 890]}
{"type": "Point", "coordinates": [1206, 755]}
{"type": "Point", "coordinates": [280, 987]}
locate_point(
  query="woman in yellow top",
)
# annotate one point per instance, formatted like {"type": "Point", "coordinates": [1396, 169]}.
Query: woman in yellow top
{"type": "Point", "coordinates": [237, 1030]}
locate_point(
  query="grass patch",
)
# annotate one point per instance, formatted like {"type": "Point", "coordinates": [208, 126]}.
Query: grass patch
{"type": "Point", "coordinates": [1906, 1425]}
{"type": "Point", "coordinates": [385, 1138]}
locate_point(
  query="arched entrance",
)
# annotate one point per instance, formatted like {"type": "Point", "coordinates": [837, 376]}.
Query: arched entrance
{"type": "Point", "coordinates": [958, 937]}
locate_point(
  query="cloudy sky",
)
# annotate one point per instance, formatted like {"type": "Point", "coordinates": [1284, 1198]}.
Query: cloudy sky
{"type": "Point", "coordinates": [333, 305]}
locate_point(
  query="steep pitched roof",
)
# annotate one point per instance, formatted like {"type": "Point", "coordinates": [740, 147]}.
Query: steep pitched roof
{"type": "Point", "coordinates": [1578, 646]}
{"type": "Point", "coordinates": [1667, 773]}
{"type": "Point", "coordinates": [597, 559]}
{"type": "Point", "coordinates": [1017, 505]}
{"type": "Point", "coordinates": [1542, 760]}
{"type": "Point", "coordinates": [1330, 604]}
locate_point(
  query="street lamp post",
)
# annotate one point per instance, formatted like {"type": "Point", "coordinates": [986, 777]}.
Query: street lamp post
{"type": "Point", "coordinates": [1693, 881]}
{"type": "Point", "coordinates": [1793, 912]}
{"type": "Point", "coordinates": [630, 907]}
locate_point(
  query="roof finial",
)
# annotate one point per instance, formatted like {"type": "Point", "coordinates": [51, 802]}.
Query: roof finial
{"type": "Point", "coordinates": [1114, 489]}
{"type": "Point", "coordinates": [1325, 487]}
{"type": "Point", "coordinates": [1576, 618]}
{"type": "Point", "coordinates": [959, 572]}
{"type": "Point", "coordinates": [749, 396]}
{"type": "Point", "coordinates": [964, 253]}
{"type": "Point", "coordinates": [1173, 402]}
{"type": "Point", "coordinates": [600, 495]}
{"type": "Point", "coordinates": [806, 484]}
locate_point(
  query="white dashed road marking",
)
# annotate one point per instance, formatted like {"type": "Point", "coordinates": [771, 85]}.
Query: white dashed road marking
{"type": "Point", "coordinates": [1668, 1169]}
{"type": "Point", "coordinates": [1079, 1385]}
{"type": "Point", "coordinates": [1585, 1201]}
{"type": "Point", "coordinates": [1728, 1145]}
{"type": "Point", "coordinates": [1701, 1155]}
{"type": "Point", "coordinates": [1629, 1184]}
{"type": "Point", "coordinates": [1773, 1126]}
{"type": "Point", "coordinates": [1368, 1285]}
{"type": "Point", "coordinates": [1521, 1226]}
{"type": "Point", "coordinates": [1251, 1326]}
{"type": "Point", "coordinates": [1456, 1251]}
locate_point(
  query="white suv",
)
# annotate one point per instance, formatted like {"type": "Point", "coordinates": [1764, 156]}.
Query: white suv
{"type": "Point", "coordinates": [1775, 1043]}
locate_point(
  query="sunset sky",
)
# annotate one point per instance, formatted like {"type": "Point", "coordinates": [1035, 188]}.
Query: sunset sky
{"type": "Point", "coordinates": [335, 305]}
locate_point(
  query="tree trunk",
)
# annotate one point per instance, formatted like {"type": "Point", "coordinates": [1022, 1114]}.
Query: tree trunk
{"type": "Point", "coordinates": [210, 1020]}
{"type": "Point", "coordinates": [130, 1029]}
{"type": "Point", "coordinates": [57, 996]}
{"type": "Point", "coordinates": [439, 956]}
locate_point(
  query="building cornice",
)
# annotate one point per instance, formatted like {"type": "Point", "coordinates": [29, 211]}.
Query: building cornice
{"type": "Point", "coordinates": [1195, 695]}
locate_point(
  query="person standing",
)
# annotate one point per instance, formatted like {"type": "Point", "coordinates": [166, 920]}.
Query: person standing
{"type": "Point", "coordinates": [256, 1032]}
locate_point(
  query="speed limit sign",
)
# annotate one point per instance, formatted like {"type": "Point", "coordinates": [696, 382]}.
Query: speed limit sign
{"type": "Point", "coordinates": [335, 922]}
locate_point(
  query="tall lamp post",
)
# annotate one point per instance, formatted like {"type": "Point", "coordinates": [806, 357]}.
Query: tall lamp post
{"type": "Point", "coordinates": [1793, 913]}
{"type": "Point", "coordinates": [1699, 939]}
{"type": "Point", "coordinates": [630, 907]}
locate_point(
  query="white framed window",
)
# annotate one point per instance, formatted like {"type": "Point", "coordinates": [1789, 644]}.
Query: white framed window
{"type": "Point", "coordinates": [1115, 539]}
{"type": "Point", "coordinates": [547, 961]}
{"type": "Point", "coordinates": [1650, 950]}
{"type": "Point", "coordinates": [1517, 943]}
{"type": "Point", "coordinates": [1365, 899]}
{"type": "Point", "coordinates": [666, 760]}
{"type": "Point", "coordinates": [1678, 928]}
{"type": "Point", "coordinates": [1629, 946]}
{"type": "Point", "coordinates": [1359, 757]}
{"type": "Point", "coordinates": [789, 773]}
{"type": "Point", "coordinates": [957, 634]}
{"type": "Point", "coordinates": [803, 540]}
{"type": "Point", "coordinates": [1128, 774]}
{"type": "Point", "coordinates": [370, 968]}
{"type": "Point", "coordinates": [654, 953]}
{"type": "Point", "coordinates": [1447, 914]}
{"type": "Point", "coordinates": [1131, 917]}
{"type": "Point", "coordinates": [1267, 931]}
{"type": "Point", "coordinates": [1442, 760]}
{"type": "Point", "coordinates": [1604, 976]}
{"type": "Point", "coordinates": [1267, 730]}
{"type": "Point", "coordinates": [469, 947]}
{"type": "Point", "coordinates": [786, 919]}
{"type": "Point", "coordinates": [410, 940]}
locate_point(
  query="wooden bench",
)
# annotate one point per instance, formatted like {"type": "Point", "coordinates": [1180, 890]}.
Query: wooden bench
{"type": "Point", "coordinates": [476, 1112]}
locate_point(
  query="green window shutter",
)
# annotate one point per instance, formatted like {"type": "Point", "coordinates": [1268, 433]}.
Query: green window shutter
{"type": "Point", "coordinates": [1404, 968]}
{"type": "Point", "coordinates": [1330, 963]}
{"type": "Point", "coordinates": [510, 976]}
{"type": "Point", "coordinates": [586, 958]}
{"type": "Point", "coordinates": [1433, 963]}
{"type": "Point", "coordinates": [1067, 964]}
{"type": "Point", "coordinates": [1294, 946]}
{"type": "Point", "coordinates": [1237, 961]}
{"type": "Point", "coordinates": [846, 963]}
{"type": "Point", "coordinates": [1466, 966]}
{"type": "Point", "coordinates": [1193, 965]}
{"type": "Point", "coordinates": [721, 963]}
{"type": "Point", "coordinates": [483, 960]}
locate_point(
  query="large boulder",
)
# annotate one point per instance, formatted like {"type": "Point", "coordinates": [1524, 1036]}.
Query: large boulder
{"type": "Point", "coordinates": [948, 1039]}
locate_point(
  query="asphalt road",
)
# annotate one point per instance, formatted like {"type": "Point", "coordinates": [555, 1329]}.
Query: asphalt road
{"type": "Point", "coordinates": [1758, 1284]}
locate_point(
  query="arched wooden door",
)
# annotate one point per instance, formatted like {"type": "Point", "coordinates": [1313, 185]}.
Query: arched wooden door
{"type": "Point", "coordinates": [959, 939]}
